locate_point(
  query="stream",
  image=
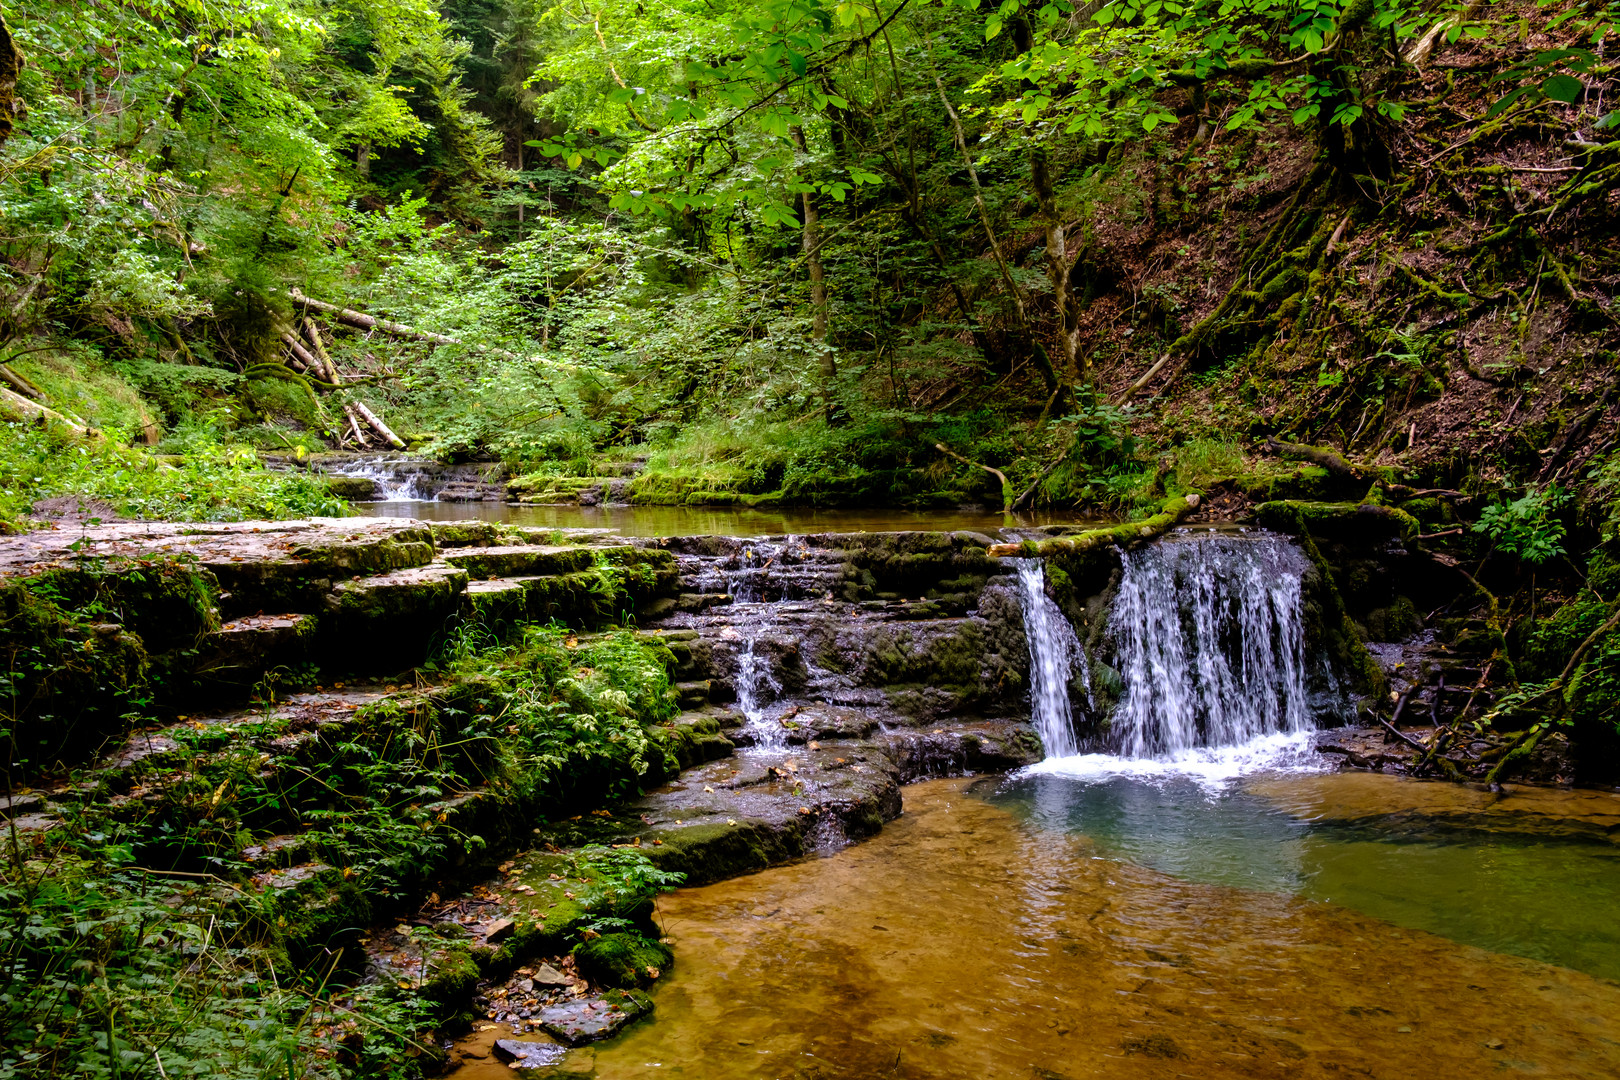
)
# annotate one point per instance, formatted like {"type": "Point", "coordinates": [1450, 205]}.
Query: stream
{"type": "Point", "coordinates": [983, 935]}
{"type": "Point", "coordinates": [1187, 890]}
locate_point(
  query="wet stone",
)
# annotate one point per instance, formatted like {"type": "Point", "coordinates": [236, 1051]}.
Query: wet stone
{"type": "Point", "coordinates": [520, 1054]}
{"type": "Point", "coordinates": [592, 1019]}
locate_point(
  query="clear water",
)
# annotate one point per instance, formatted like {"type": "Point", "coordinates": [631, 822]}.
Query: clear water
{"type": "Point", "coordinates": [712, 521]}
{"type": "Point", "coordinates": [1022, 931]}
{"type": "Point", "coordinates": [1507, 875]}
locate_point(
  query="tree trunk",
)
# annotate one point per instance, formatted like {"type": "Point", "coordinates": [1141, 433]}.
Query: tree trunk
{"type": "Point", "coordinates": [1037, 351]}
{"type": "Point", "coordinates": [378, 426]}
{"type": "Point", "coordinates": [818, 278]}
{"type": "Point", "coordinates": [362, 161]}
{"type": "Point", "coordinates": [1057, 263]}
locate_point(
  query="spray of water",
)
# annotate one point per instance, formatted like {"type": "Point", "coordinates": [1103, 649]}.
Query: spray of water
{"type": "Point", "coordinates": [756, 684]}
{"type": "Point", "coordinates": [1209, 644]}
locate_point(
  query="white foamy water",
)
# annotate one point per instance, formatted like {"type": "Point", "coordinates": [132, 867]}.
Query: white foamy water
{"type": "Point", "coordinates": [1211, 767]}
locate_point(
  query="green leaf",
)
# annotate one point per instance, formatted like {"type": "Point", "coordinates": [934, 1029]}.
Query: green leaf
{"type": "Point", "coordinates": [1565, 88]}
{"type": "Point", "coordinates": [1312, 41]}
{"type": "Point", "coordinates": [992, 27]}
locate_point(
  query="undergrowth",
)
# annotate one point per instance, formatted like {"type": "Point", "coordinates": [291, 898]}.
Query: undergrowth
{"type": "Point", "coordinates": [148, 937]}
{"type": "Point", "coordinates": [206, 478]}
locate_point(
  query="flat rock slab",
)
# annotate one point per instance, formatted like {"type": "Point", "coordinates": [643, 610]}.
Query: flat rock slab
{"type": "Point", "coordinates": [593, 1019]}
{"type": "Point", "coordinates": [213, 544]}
{"type": "Point", "coordinates": [738, 815]}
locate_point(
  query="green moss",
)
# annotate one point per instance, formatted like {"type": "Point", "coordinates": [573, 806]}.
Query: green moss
{"type": "Point", "coordinates": [1358, 522]}
{"type": "Point", "coordinates": [624, 961]}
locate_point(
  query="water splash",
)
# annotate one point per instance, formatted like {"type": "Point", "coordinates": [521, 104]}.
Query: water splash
{"type": "Point", "coordinates": [756, 687]}
{"type": "Point", "coordinates": [1211, 644]}
{"type": "Point", "coordinates": [1055, 653]}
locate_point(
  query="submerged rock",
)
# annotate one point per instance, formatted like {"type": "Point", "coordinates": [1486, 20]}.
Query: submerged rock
{"type": "Point", "coordinates": [520, 1054]}
{"type": "Point", "coordinates": [592, 1019]}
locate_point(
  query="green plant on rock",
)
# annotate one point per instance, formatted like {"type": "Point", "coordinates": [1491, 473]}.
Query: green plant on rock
{"type": "Point", "coordinates": [1528, 527]}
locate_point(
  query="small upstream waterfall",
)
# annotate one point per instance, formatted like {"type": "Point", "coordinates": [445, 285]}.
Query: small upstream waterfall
{"type": "Point", "coordinates": [756, 685]}
{"type": "Point", "coordinates": [1210, 644]}
{"type": "Point", "coordinates": [1055, 653]}
{"type": "Point", "coordinates": [397, 480]}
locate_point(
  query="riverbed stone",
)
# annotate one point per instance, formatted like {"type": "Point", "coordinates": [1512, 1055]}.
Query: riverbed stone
{"type": "Point", "coordinates": [592, 1019]}
{"type": "Point", "coordinates": [523, 1054]}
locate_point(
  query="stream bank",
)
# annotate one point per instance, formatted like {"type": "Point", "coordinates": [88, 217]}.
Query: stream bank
{"type": "Point", "coordinates": [778, 694]}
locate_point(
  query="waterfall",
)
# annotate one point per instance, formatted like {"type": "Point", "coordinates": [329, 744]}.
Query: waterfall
{"type": "Point", "coordinates": [396, 479]}
{"type": "Point", "coordinates": [1054, 655]}
{"type": "Point", "coordinates": [756, 684]}
{"type": "Point", "coordinates": [1210, 644]}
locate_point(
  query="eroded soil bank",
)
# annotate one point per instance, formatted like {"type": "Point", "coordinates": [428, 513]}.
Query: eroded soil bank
{"type": "Point", "coordinates": [958, 943]}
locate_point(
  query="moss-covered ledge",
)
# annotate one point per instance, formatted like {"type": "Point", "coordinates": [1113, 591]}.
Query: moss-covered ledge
{"type": "Point", "coordinates": [1123, 535]}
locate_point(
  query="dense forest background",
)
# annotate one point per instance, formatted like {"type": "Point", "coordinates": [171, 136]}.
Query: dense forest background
{"type": "Point", "coordinates": [782, 250]}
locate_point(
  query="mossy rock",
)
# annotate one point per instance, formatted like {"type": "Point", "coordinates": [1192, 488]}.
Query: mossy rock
{"type": "Point", "coordinates": [622, 961]}
{"type": "Point", "coordinates": [1396, 622]}
{"type": "Point", "coordinates": [352, 488]}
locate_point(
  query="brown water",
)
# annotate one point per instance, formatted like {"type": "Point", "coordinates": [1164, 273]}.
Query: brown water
{"type": "Point", "coordinates": [969, 941]}
{"type": "Point", "coordinates": [712, 521]}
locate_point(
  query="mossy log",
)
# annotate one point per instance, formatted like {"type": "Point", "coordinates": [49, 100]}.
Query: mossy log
{"type": "Point", "coordinates": [1331, 460]}
{"type": "Point", "coordinates": [1123, 535]}
{"type": "Point", "coordinates": [1363, 520]}
{"type": "Point", "coordinates": [16, 407]}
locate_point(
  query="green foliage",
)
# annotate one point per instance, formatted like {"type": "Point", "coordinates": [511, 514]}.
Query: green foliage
{"type": "Point", "coordinates": [1199, 462]}
{"type": "Point", "coordinates": [211, 480]}
{"type": "Point", "coordinates": [623, 875]}
{"type": "Point", "coordinates": [1528, 527]}
{"type": "Point", "coordinates": [133, 945]}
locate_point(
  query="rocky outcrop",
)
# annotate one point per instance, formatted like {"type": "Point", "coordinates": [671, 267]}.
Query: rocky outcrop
{"type": "Point", "coordinates": [191, 614]}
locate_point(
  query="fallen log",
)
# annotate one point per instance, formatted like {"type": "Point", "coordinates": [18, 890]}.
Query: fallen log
{"type": "Point", "coordinates": [20, 384]}
{"type": "Point", "coordinates": [1331, 460]}
{"type": "Point", "coordinates": [313, 332]}
{"type": "Point", "coordinates": [355, 427]}
{"type": "Point", "coordinates": [16, 407]}
{"type": "Point", "coordinates": [378, 426]}
{"type": "Point", "coordinates": [370, 322]}
{"type": "Point", "coordinates": [1006, 488]}
{"type": "Point", "coordinates": [1125, 535]}
{"type": "Point", "coordinates": [310, 363]}
{"type": "Point", "coordinates": [361, 321]}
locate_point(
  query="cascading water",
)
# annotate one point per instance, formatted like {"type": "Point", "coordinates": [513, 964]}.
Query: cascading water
{"type": "Point", "coordinates": [396, 480]}
{"type": "Point", "coordinates": [756, 685]}
{"type": "Point", "coordinates": [1054, 655]}
{"type": "Point", "coordinates": [1210, 644]}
